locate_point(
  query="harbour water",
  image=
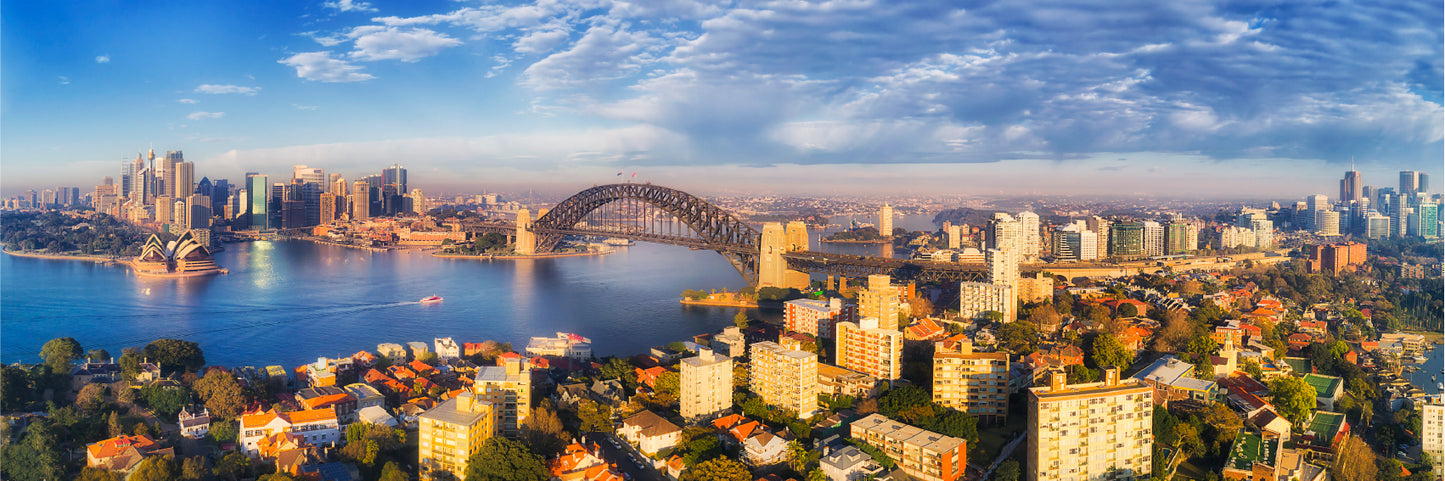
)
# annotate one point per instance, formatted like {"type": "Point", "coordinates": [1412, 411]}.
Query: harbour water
{"type": "Point", "coordinates": [288, 302]}
{"type": "Point", "coordinates": [1432, 372]}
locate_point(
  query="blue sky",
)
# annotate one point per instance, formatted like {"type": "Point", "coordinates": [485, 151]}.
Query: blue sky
{"type": "Point", "coordinates": [1179, 97]}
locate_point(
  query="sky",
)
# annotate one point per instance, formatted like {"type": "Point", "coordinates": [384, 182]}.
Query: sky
{"type": "Point", "coordinates": [1261, 99]}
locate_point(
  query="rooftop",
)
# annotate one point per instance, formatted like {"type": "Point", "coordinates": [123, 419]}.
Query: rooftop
{"type": "Point", "coordinates": [1250, 448]}
{"type": "Point", "coordinates": [910, 435]}
{"type": "Point", "coordinates": [1165, 370]}
{"type": "Point", "coordinates": [450, 412]}
{"type": "Point", "coordinates": [1324, 385]}
{"type": "Point", "coordinates": [1326, 424]}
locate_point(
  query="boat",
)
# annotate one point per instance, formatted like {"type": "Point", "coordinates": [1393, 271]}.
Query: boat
{"type": "Point", "coordinates": [432, 299]}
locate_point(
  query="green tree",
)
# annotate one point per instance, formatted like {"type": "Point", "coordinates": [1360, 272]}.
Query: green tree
{"type": "Point", "coordinates": [91, 398]}
{"type": "Point", "coordinates": [667, 383]}
{"type": "Point", "coordinates": [97, 474]}
{"type": "Point", "coordinates": [1354, 461]}
{"type": "Point", "coordinates": [595, 417]}
{"type": "Point", "coordinates": [224, 431]}
{"type": "Point", "coordinates": [15, 388]}
{"type": "Point", "coordinates": [1128, 310]}
{"type": "Point", "coordinates": [223, 395]}
{"type": "Point", "coordinates": [156, 468]}
{"type": "Point", "coordinates": [59, 353]}
{"type": "Point", "coordinates": [193, 468]}
{"type": "Point", "coordinates": [1293, 398]}
{"type": "Point", "coordinates": [904, 398]}
{"type": "Point", "coordinates": [130, 362]}
{"type": "Point", "coordinates": [36, 457]}
{"type": "Point", "coordinates": [502, 459]}
{"type": "Point", "coordinates": [1105, 350]}
{"type": "Point", "coordinates": [797, 456]}
{"type": "Point", "coordinates": [98, 355]}
{"type": "Point", "coordinates": [718, 469]}
{"type": "Point", "coordinates": [175, 355]}
{"type": "Point", "coordinates": [112, 424]}
{"type": "Point", "coordinates": [166, 400]}
{"type": "Point", "coordinates": [391, 472]}
{"type": "Point", "coordinates": [1018, 337]}
{"type": "Point", "coordinates": [1007, 471]}
{"type": "Point", "coordinates": [543, 431]}
{"type": "Point", "coordinates": [741, 320]}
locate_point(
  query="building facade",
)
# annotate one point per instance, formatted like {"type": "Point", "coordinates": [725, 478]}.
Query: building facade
{"type": "Point", "coordinates": [706, 386]}
{"type": "Point", "coordinates": [509, 390]}
{"type": "Point", "coordinates": [973, 382]}
{"type": "Point", "coordinates": [451, 432]}
{"type": "Point", "coordinates": [784, 378]}
{"type": "Point", "coordinates": [1083, 431]}
{"type": "Point", "coordinates": [870, 349]}
{"type": "Point", "coordinates": [817, 317]}
{"type": "Point", "coordinates": [880, 300]}
{"type": "Point", "coordinates": [920, 453]}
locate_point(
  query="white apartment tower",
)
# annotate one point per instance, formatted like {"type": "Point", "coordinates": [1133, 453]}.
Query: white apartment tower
{"type": "Point", "coordinates": [885, 220]}
{"type": "Point", "coordinates": [784, 377]}
{"type": "Point", "coordinates": [1153, 239]}
{"type": "Point", "coordinates": [1083, 431]}
{"type": "Point", "coordinates": [706, 385]}
{"type": "Point", "coordinates": [1432, 431]}
{"type": "Point", "coordinates": [1029, 241]}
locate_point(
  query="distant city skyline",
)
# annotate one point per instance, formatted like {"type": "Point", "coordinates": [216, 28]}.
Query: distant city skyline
{"type": "Point", "coordinates": [1195, 100]}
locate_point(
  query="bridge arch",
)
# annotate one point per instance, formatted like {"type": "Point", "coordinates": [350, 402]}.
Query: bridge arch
{"type": "Point", "coordinates": [715, 229]}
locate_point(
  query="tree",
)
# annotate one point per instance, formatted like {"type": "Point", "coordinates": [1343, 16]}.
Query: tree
{"type": "Point", "coordinates": [193, 468]}
{"type": "Point", "coordinates": [98, 355]}
{"type": "Point", "coordinates": [1044, 318]}
{"type": "Point", "coordinates": [392, 473]}
{"type": "Point", "coordinates": [59, 353]}
{"type": "Point", "coordinates": [797, 457]}
{"type": "Point", "coordinates": [1128, 310]}
{"type": "Point", "coordinates": [667, 383]}
{"type": "Point", "coordinates": [616, 368]}
{"type": "Point", "coordinates": [719, 469]}
{"type": "Point", "coordinates": [16, 389]}
{"type": "Point", "coordinates": [1355, 461]}
{"type": "Point", "coordinates": [224, 431]}
{"type": "Point", "coordinates": [1105, 350]}
{"type": "Point", "coordinates": [130, 361]}
{"type": "Point", "coordinates": [595, 417]}
{"type": "Point", "coordinates": [97, 474]}
{"type": "Point", "coordinates": [156, 468]}
{"type": "Point", "coordinates": [223, 395]}
{"type": "Point", "coordinates": [502, 459]}
{"type": "Point", "coordinates": [36, 457]}
{"type": "Point", "coordinates": [902, 399]}
{"type": "Point", "coordinates": [112, 424]}
{"type": "Point", "coordinates": [166, 400]}
{"type": "Point", "coordinates": [175, 355]}
{"type": "Point", "coordinates": [1007, 471]}
{"type": "Point", "coordinates": [741, 320]}
{"type": "Point", "coordinates": [543, 431]}
{"type": "Point", "coordinates": [1019, 337]}
{"type": "Point", "coordinates": [1293, 398]}
{"type": "Point", "coordinates": [429, 358]}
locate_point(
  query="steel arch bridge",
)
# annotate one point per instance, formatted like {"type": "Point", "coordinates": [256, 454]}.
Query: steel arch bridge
{"type": "Point", "coordinates": [635, 211]}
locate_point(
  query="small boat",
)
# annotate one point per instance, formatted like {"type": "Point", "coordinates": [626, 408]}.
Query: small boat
{"type": "Point", "coordinates": [432, 299]}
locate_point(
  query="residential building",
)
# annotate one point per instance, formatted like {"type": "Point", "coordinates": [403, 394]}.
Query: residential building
{"type": "Point", "coordinates": [366, 396]}
{"type": "Point", "coordinates": [784, 378]}
{"type": "Point", "coordinates": [194, 421]}
{"type": "Point", "coordinates": [977, 298]}
{"type": "Point", "coordinates": [316, 427]}
{"type": "Point", "coordinates": [650, 432]}
{"type": "Point", "coordinates": [565, 344]}
{"type": "Point", "coordinates": [973, 382]}
{"type": "Point", "coordinates": [1328, 389]}
{"type": "Point", "coordinates": [1183, 238]}
{"type": "Point", "coordinates": [870, 349]}
{"type": "Point", "coordinates": [1327, 222]}
{"type": "Point", "coordinates": [1084, 431]}
{"type": "Point", "coordinates": [764, 449]}
{"type": "Point", "coordinates": [817, 317]}
{"type": "Point", "coordinates": [848, 464]}
{"type": "Point", "coordinates": [837, 381]}
{"type": "Point", "coordinates": [1336, 257]}
{"type": "Point", "coordinates": [706, 385]}
{"type": "Point", "coordinates": [392, 351]}
{"type": "Point", "coordinates": [1432, 431]}
{"type": "Point", "coordinates": [885, 220]}
{"type": "Point", "coordinates": [451, 432]}
{"type": "Point", "coordinates": [1252, 457]}
{"type": "Point", "coordinates": [730, 342]}
{"type": "Point", "coordinates": [1153, 239]}
{"type": "Point", "coordinates": [1126, 240]}
{"type": "Point", "coordinates": [920, 453]}
{"type": "Point", "coordinates": [880, 300]}
{"type": "Point", "coordinates": [1029, 241]}
{"type": "Point", "coordinates": [1323, 433]}
{"type": "Point", "coordinates": [447, 349]}
{"type": "Point", "coordinates": [1172, 380]}
{"type": "Point", "coordinates": [509, 389]}
{"type": "Point", "coordinates": [122, 453]}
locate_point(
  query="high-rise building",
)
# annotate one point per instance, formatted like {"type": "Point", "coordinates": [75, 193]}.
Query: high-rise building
{"type": "Point", "coordinates": [1377, 226]}
{"type": "Point", "coordinates": [1182, 238]}
{"type": "Point", "coordinates": [509, 388]}
{"type": "Point", "coordinates": [1126, 240]}
{"type": "Point", "coordinates": [977, 298]}
{"type": "Point", "coordinates": [361, 200]}
{"type": "Point", "coordinates": [1090, 431]}
{"type": "Point", "coordinates": [784, 378]}
{"type": "Point", "coordinates": [328, 209]}
{"type": "Point", "coordinates": [257, 188]}
{"type": "Point", "coordinates": [164, 209]}
{"type": "Point", "coordinates": [1029, 241]}
{"type": "Point", "coordinates": [308, 174]}
{"type": "Point", "coordinates": [1100, 226]}
{"type": "Point", "coordinates": [1352, 187]}
{"type": "Point", "coordinates": [1003, 267]}
{"type": "Point", "coordinates": [418, 202]}
{"type": "Point", "coordinates": [972, 382]}
{"type": "Point", "coordinates": [870, 349]}
{"type": "Point", "coordinates": [1153, 239]}
{"type": "Point", "coordinates": [1432, 429]}
{"type": "Point", "coordinates": [1263, 233]}
{"type": "Point", "coordinates": [1005, 233]}
{"type": "Point", "coordinates": [184, 181]}
{"type": "Point", "coordinates": [880, 300]}
{"type": "Point", "coordinates": [955, 236]}
{"type": "Point", "coordinates": [922, 454]}
{"type": "Point", "coordinates": [1327, 222]}
{"type": "Point", "coordinates": [885, 220]}
{"type": "Point", "coordinates": [1409, 182]}
{"type": "Point", "coordinates": [817, 317]}
{"type": "Point", "coordinates": [706, 385]}
{"type": "Point", "coordinates": [452, 432]}
{"type": "Point", "coordinates": [1428, 214]}
{"type": "Point", "coordinates": [1074, 242]}
{"type": "Point", "coordinates": [198, 211]}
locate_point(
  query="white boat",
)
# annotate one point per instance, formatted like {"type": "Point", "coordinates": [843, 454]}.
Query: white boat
{"type": "Point", "coordinates": [432, 299]}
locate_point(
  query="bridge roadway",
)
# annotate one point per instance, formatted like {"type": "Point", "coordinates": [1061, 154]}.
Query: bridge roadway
{"type": "Point", "coordinates": [844, 265]}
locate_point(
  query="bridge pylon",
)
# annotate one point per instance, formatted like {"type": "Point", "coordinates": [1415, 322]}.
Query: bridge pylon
{"type": "Point", "coordinates": [526, 240]}
{"type": "Point", "coordinates": [772, 268]}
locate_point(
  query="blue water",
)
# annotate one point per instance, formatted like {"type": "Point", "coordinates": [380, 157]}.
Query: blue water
{"type": "Point", "coordinates": [288, 302]}
{"type": "Point", "coordinates": [1434, 366]}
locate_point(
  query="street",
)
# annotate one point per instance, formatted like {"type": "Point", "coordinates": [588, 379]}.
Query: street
{"type": "Point", "coordinates": [625, 457]}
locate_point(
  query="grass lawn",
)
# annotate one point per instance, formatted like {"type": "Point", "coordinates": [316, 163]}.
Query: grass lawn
{"type": "Point", "coordinates": [992, 438]}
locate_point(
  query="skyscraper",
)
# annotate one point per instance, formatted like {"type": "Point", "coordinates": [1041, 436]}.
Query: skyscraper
{"type": "Point", "coordinates": [361, 200]}
{"type": "Point", "coordinates": [1352, 187]}
{"type": "Point", "coordinates": [868, 348]}
{"type": "Point", "coordinates": [184, 180]}
{"type": "Point", "coordinates": [1409, 182]}
{"type": "Point", "coordinates": [706, 384]}
{"type": "Point", "coordinates": [1090, 431]}
{"type": "Point", "coordinates": [258, 189]}
{"type": "Point", "coordinates": [1004, 232]}
{"type": "Point", "coordinates": [1314, 204]}
{"type": "Point", "coordinates": [393, 189]}
{"type": "Point", "coordinates": [1153, 239]}
{"type": "Point", "coordinates": [1028, 235]}
{"type": "Point", "coordinates": [1126, 240]}
{"type": "Point", "coordinates": [885, 220]}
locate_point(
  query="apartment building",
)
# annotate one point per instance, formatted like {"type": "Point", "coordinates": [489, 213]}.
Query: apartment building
{"type": "Point", "coordinates": [870, 349]}
{"type": "Point", "coordinates": [784, 378]}
{"type": "Point", "coordinates": [1432, 431]}
{"type": "Point", "coordinates": [920, 453]}
{"type": "Point", "coordinates": [509, 388]}
{"type": "Point", "coordinates": [880, 300]}
{"type": "Point", "coordinates": [817, 317]}
{"type": "Point", "coordinates": [972, 382]}
{"type": "Point", "coordinates": [1080, 432]}
{"type": "Point", "coordinates": [706, 385]}
{"type": "Point", "coordinates": [451, 432]}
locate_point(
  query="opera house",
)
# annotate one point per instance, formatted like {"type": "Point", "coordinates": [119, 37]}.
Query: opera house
{"type": "Point", "coordinates": [183, 257]}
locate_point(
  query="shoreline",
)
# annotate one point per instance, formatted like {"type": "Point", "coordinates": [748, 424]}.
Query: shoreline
{"type": "Point", "coordinates": [513, 257]}
{"type": "Point", "coordinates": [95, 259]}
{"type": "Point", "coordinates": [338, 244]}
{"type": "Point", "coordinates": [711, 303]}
{"type": "Point", "coordinates": [852, 241]}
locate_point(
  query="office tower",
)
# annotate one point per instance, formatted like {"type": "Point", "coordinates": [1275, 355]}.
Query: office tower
{"type": "Point", "coordinates": [183, 179]}
{"type": "Point", "coordinates": [1126, 240]}
{"type": "Point", "coordinates": [241, 209]}
{"type": "Point", "coordinates": [451, 432]}
{"type": "Point", "coordinates": [1432, 429]}
{"type": "Point", "coordinates": [1409, 182]}
{"type": "Point", "coordinates": [1428, 214]}
{"type": "Point", "coordinates": [1004, 233]}
{"type": "Point", "coordinates": [1327, 222]}
{"type": "Point", "coordinates": [257, 188]}
{"type": "Point", "coordinates": [198, 212]}
{"type": "Point", "coordinates": [1182, 238]}
{"type": "Point", "coordinates": [1377, 225]}
{"type": "Point", "coordinates": [972, 382]}
{"type": "Point", "coordinates": [164, 210]}
{"type": "Point", "coordinates": [220, 195]}
{"type": "Point", "coordinates": [1100, 227]}
{"type": "Point", "coordinates": [869, 349]}
{"type": "Point", "coordinates": [784, 378]}
{"type": "Point", "coordinates": [706, 385]}
{"type": "Point", "coordinates": [817, 317]}
{"type": "Point", "coordinates": [1091, 430]}
{"type": "Point", "coordinates": [880, 300]}
{"type": "Point", "coordinates": [955, 236]}
{"type": "Point", "coordinates": [180, 217]}
{"type": "Point", "coordinates": [922, 454]}
{"type": "Point", "coordinates": [395, 176]}
{"type": "Point", "coordinates": [1422, 183]}
{"type": "Point", "coordinates": [361, 200]}
{"type": "Point", "coordinates": [1352, 188]}
{"type": "Point", "coordinates": [509, 388]}
{"type": "Point", "coordinates": [978, 298]}
{"type": "Point", "coordinates": [1153, 239]}
{"type": "Point", "coordinates": [328, 209]}
{"type": "Point", "coordinates": [393, 187]}
{"type": "Point", "coordinates": [308, 174]}
{"type": "Point", "coordinates": [204, 187]}
{"type": "Point", "coordinates": [418, 205]}
{"type": "Point", "coordinates": [1263, 233]}
{"type": "Point", "coordinates": [1029, 241]}
{"type": "Point", "coordinates": [1073, 242]}
{"type": "Point", "coordinates": [47, 197]}
{"type": "Point", "coordinates": [1314, 204]}
{"type": "Point", "coordinates": [127, 176]}
{"type": "Point", "coordinates": [885, 220]}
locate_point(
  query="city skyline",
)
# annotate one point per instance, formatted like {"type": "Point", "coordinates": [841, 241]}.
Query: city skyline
{"type": "Point", "coordinates": [1169, 100]}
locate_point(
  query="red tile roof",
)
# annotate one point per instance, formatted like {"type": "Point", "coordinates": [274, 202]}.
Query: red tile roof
{"type": "Point", "coordinates": [116, 445]}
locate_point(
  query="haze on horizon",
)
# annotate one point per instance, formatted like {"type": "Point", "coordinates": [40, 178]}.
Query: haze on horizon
{"type": "Point", "coordinates": [1188, 99]}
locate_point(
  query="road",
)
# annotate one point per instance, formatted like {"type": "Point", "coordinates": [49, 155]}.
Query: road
{"type": "Point", "coordinates": [625, 457]}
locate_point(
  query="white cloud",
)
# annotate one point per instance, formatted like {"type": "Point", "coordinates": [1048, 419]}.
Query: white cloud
{"type": "Point", "coordinates": [64, 80]}
{"type": "Point", "coordinates": [102, 58]}
{"type": "Point", "coordinates": [321, 67]}
{"type": "Point", "coordinates": [391, 43]}
{"type": "Point", "coordinates": [304, 107]}
{"type": "Point", "coordinates": [349, 6]}
{"type": "Point", "coordinates": [186, 101]}
{"type": "Point", "coordinates": [198, 115]}
{"type": "Point", "coordinates": [603, 53]}
{"type": "Point", "coordinates": [226, 89]}
{"type": "Point", "coordinates": [540, 41]}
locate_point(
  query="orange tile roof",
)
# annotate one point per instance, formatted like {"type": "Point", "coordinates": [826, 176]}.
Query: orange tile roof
{"type": "Point", "coordinates": [728, 421]}
{"type": "Point", "coordinates": [257, 420]}
{"type": "Point", "coordinates": [116, 445]}
{"type": "Point", "coordinates": [310, 416]}
{"type": "Point", "coordinates": [421, 367]}
{"type": "Point", "coordinates": [327, 400]}
{"type": "Point", "coordinates": [744, 431]}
